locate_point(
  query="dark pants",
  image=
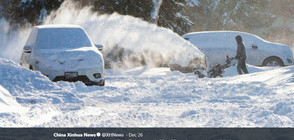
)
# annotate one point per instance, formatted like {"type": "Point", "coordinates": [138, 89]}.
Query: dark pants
{"type": "Point", "coordinates": [242, 66]}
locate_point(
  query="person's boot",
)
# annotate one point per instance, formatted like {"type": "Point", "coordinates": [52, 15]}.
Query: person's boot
{"type": "Point", "coordinates": [239, 70]}
{"type": "Point", "coordinates": [245, 70]}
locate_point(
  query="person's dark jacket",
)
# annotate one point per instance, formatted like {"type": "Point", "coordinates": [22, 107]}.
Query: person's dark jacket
{"type": "Point", "coordinates": [241, 53]}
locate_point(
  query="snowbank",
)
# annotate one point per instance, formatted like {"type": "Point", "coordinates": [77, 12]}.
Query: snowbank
{"type": "Point", "coordinates": [15, 78]}
{"type": "Point", "coordinates": [33, 87]}
{"type": "Point", "coordinates": [8, 104]}
{"type": "Point", "coordinates": [232, 71]}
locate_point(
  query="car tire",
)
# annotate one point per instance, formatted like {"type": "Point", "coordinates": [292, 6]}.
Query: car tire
{"type": "Point", "coordinates": [273, 61]}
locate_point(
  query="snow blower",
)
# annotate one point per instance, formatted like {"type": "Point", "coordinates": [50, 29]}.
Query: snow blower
{"type": "Point", "coordinates": [215, 71]}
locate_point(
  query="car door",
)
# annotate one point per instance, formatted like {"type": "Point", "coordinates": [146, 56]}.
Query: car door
{"type": "Point", "coordinates": [223, 44]}
{"type": "Point", "coordinates": [254, 51]}
{"type": "Point", "coordinates": [215, 45]}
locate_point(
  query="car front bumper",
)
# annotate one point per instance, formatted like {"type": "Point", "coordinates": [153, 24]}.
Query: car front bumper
{"type": "Point", "coordinates": [85, 75]}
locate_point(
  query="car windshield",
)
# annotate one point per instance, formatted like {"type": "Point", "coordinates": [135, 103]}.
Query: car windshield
{"type": "Point", "coordinates": [58, 38]}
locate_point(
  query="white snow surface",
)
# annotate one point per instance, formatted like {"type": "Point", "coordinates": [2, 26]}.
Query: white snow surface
{"type": "Point", "coordinates": [149, 97]}
{"type": "Point", "coordinates": [8, 103]}
{"type": "Point", "coordinates": [140, 96]}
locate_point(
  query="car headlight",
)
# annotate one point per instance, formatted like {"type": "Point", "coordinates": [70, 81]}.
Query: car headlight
{"type": "Point", "coordinates": [97, 75]}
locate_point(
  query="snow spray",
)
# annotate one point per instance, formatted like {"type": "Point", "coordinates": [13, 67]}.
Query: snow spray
{"type": "Point", "coordinates": [127, 41]}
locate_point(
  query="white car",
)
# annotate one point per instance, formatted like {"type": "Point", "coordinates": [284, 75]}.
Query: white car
{"type": "Point", "coordinates": [217, 44]}
{"type": "Point", "coordinates": [64, 52]}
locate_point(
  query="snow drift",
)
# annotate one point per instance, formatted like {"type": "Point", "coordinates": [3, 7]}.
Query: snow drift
{"type": "Point", "coordinates": [7, 103]}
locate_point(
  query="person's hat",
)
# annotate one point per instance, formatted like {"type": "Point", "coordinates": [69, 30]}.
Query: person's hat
{"type": "Point", "coordinates": [238, 38]}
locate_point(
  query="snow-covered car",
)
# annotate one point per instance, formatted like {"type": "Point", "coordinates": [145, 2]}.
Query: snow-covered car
{"type": "Point", "coordinates": [217, 44]}
{"type": "Point", "coordinates": [64, 53]}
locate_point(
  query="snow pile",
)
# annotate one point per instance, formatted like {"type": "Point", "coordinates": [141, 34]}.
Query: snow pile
{"type": "Point", "coordinates": [151, 97]}
{"type": "Point", "coordinates": [8, 103]}
{"type": "Point", "coordinates": [232, 71]}
{"type": "Point", "coordinates": [13, 77]}
{"type": "Point", "coordinates": [33, 87]}
{"type": "Point", "coordinates": [126, 32]}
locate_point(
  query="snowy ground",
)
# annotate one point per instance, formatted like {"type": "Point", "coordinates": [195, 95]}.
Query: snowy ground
{"type": "Point", "coordinates": [141, 96]}
{"type": "Point", "coordinates": [148, 97]}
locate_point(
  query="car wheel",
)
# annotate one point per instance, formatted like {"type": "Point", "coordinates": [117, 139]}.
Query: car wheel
{"type": "Point", "coordinates": [273, 62]}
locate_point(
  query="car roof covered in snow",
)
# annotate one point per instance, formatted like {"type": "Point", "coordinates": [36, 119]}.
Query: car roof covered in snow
{"type": "Point", "coordinates": [224, 39]}
{"type": "Point", "coordinates": [58, 36]}
{"type": "Point", "coordinates": [221, 32]}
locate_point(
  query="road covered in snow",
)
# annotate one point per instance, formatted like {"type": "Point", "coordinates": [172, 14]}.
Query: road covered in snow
{"type": "Point", "coordinates": [148, 97]}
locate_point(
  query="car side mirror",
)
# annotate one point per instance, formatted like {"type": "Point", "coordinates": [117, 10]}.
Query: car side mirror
{"type": "Point", "coordinates": [27, 49]}
{"type": "Point", "coordinates": [254, 47]}
{"type": "Point", "coordinates": [100, 47]}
